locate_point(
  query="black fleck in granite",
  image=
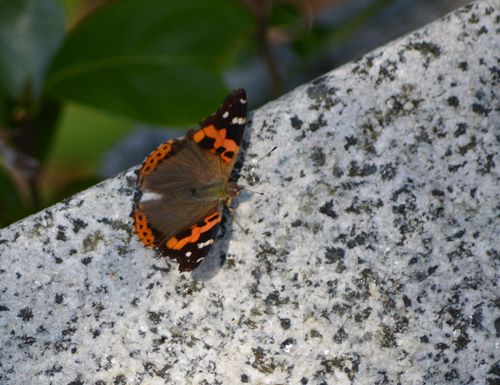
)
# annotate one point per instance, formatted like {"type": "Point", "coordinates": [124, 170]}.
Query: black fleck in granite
{"type": "Point", "coordinates": [372, 256]}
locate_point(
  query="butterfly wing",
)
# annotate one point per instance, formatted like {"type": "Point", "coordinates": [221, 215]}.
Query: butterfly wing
{"type": "Point", "coordinates": [167, 179]}
{"type": "Point", "coordinates": [222, 132]}
{"type": "Point", "coordinates": [169, 215]}
{"type": "Point", "coordinates": [190, 247]}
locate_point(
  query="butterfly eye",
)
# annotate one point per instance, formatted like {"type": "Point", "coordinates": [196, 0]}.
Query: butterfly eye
{"type": "Point", "coordinates": [192, 191]}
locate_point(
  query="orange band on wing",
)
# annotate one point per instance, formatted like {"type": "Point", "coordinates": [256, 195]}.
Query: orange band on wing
{"type": "Point", "coordinates": [196, 230]}
{"type": "Point", "coordinates": [219, 137]}
{"type": "Point", "coordinates": [142, 228]}
{"type": "Point", "coordinates": [155, 157]}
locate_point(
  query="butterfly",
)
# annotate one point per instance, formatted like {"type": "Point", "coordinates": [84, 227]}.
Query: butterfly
{"type": "Point", "coordinates": [183, 185]}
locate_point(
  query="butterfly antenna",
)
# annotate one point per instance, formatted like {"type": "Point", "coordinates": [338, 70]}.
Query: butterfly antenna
{"type": "Point", "coordinates": [252, 191]}
{"type": "Point", "coordinates": [266, 155]}
{"type": "Point", "coordinates": [256, 162]}
{"type": "Point", "coordinates": [261, 159]}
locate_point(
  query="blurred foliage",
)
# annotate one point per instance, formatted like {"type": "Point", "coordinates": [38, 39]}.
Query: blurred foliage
{"type": "Point", "coordinates": [76, 75]}
{"type": "Point", "coordinates": [134, 56]}
{"type": "Point", "coordinates": [87, 127]}
{"type": "Point", "coordinates": [12, 204]}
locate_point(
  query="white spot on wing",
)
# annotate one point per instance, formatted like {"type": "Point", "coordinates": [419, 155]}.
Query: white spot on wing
{"type": "Point", "coordinates": [238, 120]}
{"type": "Point", "coordinates": [243, 101]}
{"type": "Point", "coordinates": [150, 196]}
{"type": "Point", "coordinates": [225, 115]}
{"type": "Point", "coordinates": [201, 245]}
{"type": "Point", "coordinates": [188, 254]}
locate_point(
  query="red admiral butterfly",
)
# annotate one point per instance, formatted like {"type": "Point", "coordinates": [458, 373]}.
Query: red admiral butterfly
{"type": "Point", "coordinates": [184, 185]}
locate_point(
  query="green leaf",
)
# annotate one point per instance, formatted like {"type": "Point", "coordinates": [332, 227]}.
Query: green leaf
{"type": "Point", "coordinates": [30, 33]}
{"type": "Point", "coordinates": [84, 134]}
{"type": "Point", "coordinates": [12, 207]}
{"type": "Point", "coordinates": [46, 121]}
{"type": "Point", "coordinates": [286, 13]}
{"type": "Point", "coordinates": [4, 98]}
{"type": "Point", "coordinates": [159, 61]}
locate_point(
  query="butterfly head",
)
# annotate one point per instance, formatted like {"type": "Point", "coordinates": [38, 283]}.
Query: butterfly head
{"type": "Point", "coordinates": [233, 189]}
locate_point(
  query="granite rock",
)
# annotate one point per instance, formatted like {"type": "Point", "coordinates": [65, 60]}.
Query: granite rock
{"type": "Point", "coordinates": [372, 255]}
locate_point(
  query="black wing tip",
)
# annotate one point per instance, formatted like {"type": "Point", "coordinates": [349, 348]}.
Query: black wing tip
{"type": "Point", "coordinates": [236, 97]}
{"type": "Point", "coordinates": [187, 268]}
{"type": "Point", "coordinates": [188, 265]}
{"type": "Point", "coordinates": [239, 92]}
{"type": "Point", "coordinates": [235, 104]}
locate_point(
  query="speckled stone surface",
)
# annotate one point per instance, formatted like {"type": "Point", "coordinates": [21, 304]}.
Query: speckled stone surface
{"type": "Point", "coordinates": [372, 257]}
